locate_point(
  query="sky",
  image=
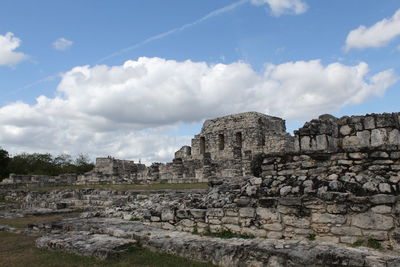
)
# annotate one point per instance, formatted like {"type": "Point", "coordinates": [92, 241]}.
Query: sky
{"type": "Point", "coordinates": [136, 79]}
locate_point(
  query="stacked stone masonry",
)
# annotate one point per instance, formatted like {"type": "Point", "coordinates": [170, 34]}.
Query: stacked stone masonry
{"type": "Point", "coordinates": [336, 180]}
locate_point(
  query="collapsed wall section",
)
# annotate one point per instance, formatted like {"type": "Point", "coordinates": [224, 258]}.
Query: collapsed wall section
{"type": "Point", "coordinates": [331, 134]}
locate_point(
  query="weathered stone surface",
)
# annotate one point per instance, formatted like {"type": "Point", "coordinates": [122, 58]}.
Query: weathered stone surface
{"type": "Point", "coordinates": [328, 218]}
{"type": "Point", "coordinates": [296, 222]}
{"type": "Point", "coordinates": [373, 221]}
{"type": "Point", "coordinates": [167, 215]}
{"type": "Point", "coordinates": [378, 137]}
{"type": "Point", "coordinates": [237, 252]}
{"type": "Point", "coordinates": [84, 243]}
{"type": "Point", "coordinates": [247, 212]}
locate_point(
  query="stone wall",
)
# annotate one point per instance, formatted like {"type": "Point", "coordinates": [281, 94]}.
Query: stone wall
{"type": "Point", "coordinates": [331, 134]}
{"type": "Point", "coordinates": [15, 181]}
{"type": "Point", "coordinates": [255, 206]}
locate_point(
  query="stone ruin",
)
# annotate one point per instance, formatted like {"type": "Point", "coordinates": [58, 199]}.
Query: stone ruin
{"type": "Point", "coordinates": [336, 181]}
{"type": "Point", "coordinates": [225, 147]}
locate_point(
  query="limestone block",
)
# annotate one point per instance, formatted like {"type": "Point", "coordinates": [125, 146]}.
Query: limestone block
{"type": "Point", "coordinates": [155, 219]}
{"type": "Point", "coordinates": [382, 199]}
{"type": "Point", "coordinates": [285, 190]}
{"type": "Point", "coordinates": [348, 239]}
{"type": "Point", "coordinates": [246, 212]}
{"type": "Point", "coordinates": [230, 220]}
{"type": "Point", "coordinates": [378, 137]}
{"type": "Point", "coordinates": [274, 235]}
{"type": "Point", "coordinates": [232, 227]}
{"type": "Point", "coordinates": [370, 186]}
{"type": "Point", "coordinates": [255, 181]}
{"type": "Point", "coordinates": [358, 155]}
{"type": "Point", "coordinates": [384, 188]}
{"type": "Point", "coordinates": [296, 144]}
{"type": "Point", "coordinates": [345, 130]}
{"type": "Point", "coordinates": [320, 228]}
{"type": "Point", "coordinates": [167, 226]}
{"type": "Point", "coordinates": [296, 222]}
{"type": "Point", "coordinates": [245, 221]}
{"type": "Point", "coordinates": [231, 213]}
{"type": "Point", "coordinates": [379, 154]}
{"type": "Point", "coordinates": [187, 223]}
{"type": "Point", "coordinates": [369, 123]}
{"type": "Point", "coordinates": [351, 141]}
{"type": "Point", "coordinates": [215, 212]}
{"type": "Point", "coordinates": [167, 215]}
{"type": "Point", "coordinates": [372, 221]}
{"type": "Point", "coordinates": [198, 213]}
{"type": "Point", "coordinates": [328, 218]}
{"type": "Point", "coordinates": [327, 238]}
{"type": "Point", "coordinates": [214, 221]}
{"type": "Point", "coordinates": [378, 235]}
{"type": "Point", "coordinates": [395, 155]}
{"type": "Point", "coordinates": [381, 209]}
{"type": "Point", "coordinates": [364, 138]}
{"type": "Point", "coordinates": [305, 143]}
{"type": "Point", "coordinates": [322, 143]}
{"type": "Point", "coordinates": [346, 230]}
{"type": "Point", "coordinates": [254, 232]}
{"type": "Point", "coordinates": [394, 137]}
{"type": "Point", "coordinates": [336, 208]}
{"type": "Point", "coordinates": [272, 227]}
{"type": "Point", "coordinates": [215, 228]}
{"type": "Point", "coordinates": [267, 214]}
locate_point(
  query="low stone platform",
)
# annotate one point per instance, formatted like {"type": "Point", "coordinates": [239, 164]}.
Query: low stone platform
{"type": "Point", "coordinates": [87, 244]}
{"type": "Point", "coordinates": [222, 252]}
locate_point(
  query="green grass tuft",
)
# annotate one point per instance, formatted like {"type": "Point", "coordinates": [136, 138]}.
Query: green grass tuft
{"type": "Point", "coordinates": [226, 234]}
{"type": "Point", "coordinates": [311, 236]}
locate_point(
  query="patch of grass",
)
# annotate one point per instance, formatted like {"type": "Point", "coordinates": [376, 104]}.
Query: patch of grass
{"type": "Point", "coordinates": [135, 219]}
{"type": "Point", "coordinates": [358, 243]}
{"type": "Point", "coordinates": [226, 234]}
{"type": "Point", "coordinates": [124, 187]}
{"type": "Point", "coordinates": [19, 250]}
{"type": "Point", "coordinates": [311, 236]}
{"type": "Point", "coordinates": [370, 242]}
{"type": "Point", "coordinates": [373, 243]}
{"type": "Point", "coordinates": [25, 221]}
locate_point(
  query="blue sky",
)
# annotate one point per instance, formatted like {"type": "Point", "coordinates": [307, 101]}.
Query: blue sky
{"type": "Point", "coordinates": [135, 79]}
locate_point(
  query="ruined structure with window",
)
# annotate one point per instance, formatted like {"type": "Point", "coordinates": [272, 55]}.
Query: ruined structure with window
{"type": "Point", "coordinates": [226, 146]}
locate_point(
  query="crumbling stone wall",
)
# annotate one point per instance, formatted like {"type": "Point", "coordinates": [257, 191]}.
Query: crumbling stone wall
{"type": "Point", "coordinates": [331, 134]}
{"type": "Point", "coordinates": [15, 181]}
{"type": "Point", "coordinates": [114, 171]}
{"type": "Point", "coordinates": [250, 205]}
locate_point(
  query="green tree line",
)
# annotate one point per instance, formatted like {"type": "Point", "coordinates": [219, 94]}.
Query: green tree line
{"type": "Point", "coordinates": [43, 164]}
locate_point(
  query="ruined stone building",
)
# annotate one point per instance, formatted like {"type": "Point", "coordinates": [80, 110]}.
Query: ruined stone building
{"type": "Point", "coordinates": [236, 145]}
{"type": "Point", "coordinates": [224, 147]}
{"type": "Point", "coordinates": [233, 145]}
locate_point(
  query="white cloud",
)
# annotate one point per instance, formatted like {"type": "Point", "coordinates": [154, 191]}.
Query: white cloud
{"type": "Point", "coordinates": [127, 110]}
{"type": "Point", "coordinates": [280, 7]}
{"type": "Point", "coordinates": [62, 44]}
{"type": "Point", "coordinates": [378, 35]}
{"type": "Point", "coordinates": [8, 43]}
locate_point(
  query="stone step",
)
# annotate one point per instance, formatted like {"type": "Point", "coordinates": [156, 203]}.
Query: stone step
{"type": "Point", "coordinates": [222, 252]}
{"type": "Point", "coordinates": [84, 243]}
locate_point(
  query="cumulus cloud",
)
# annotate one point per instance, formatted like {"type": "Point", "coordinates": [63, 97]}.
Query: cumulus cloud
{"type": "Point", "coordinates": [62, 44]}
{"type": "Point", "coordinates": [8, 44]}
{"type": "Point", "coordinates": [127, 110]}
{"type": "Point", "coordinates": [378, 35]}
{"type": "Point", "coordinates": [280, 7]}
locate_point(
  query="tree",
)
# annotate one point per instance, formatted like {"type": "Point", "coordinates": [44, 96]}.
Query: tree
{"type": "Point", "coordinates": [4, 161]}
{"type": "Point", "coordinates": [83, 164]}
